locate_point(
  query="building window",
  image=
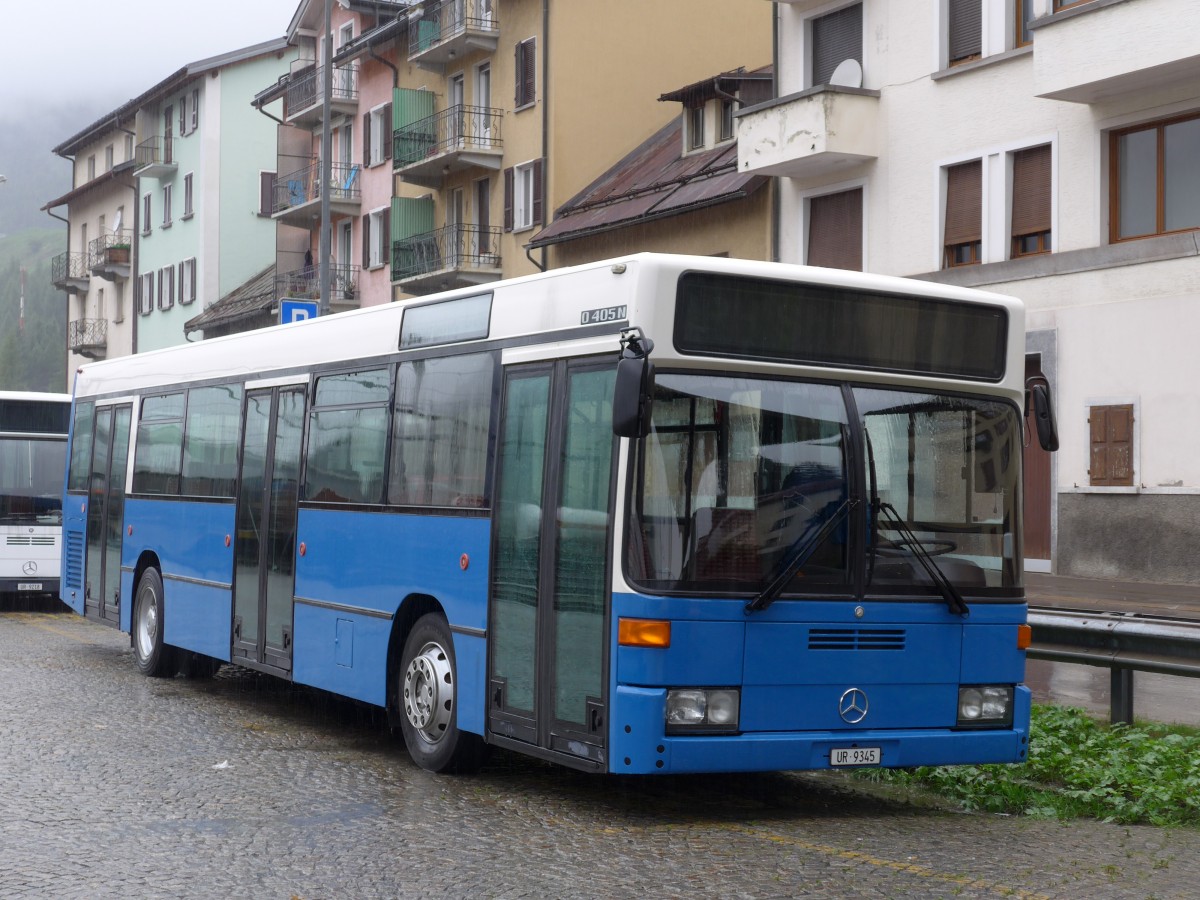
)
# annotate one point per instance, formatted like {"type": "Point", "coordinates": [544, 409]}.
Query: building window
{"type": "Point", "coordinates": [726, 133]}
{"type": "Point", "coordinates": [964, 31]}
{"type": "Point", "coordinates": [1024, 14]}
{"type": "Point", "coordinates": [91, 167]}
{"type": "Point", "coordinates": [526, 73]}
{"type": "Point", "coordinates": [963, 237]}
{"type": "Point", "coordinates": [377, 135]}
{"type": "Point", "coordinates": [166, 287]}
{"type": "Point", "coordinates": [108, 158]}
{"type": "Point", "coordinates": [523, 196]}
{"type": "Point", "coordinates": [101, 312]}
{"type": "Point", "coordinates": [183, 116]}
{"type": "Point", "coordinates": [187, 195]}
{"type": "Point", "coordinates": [195, 108]}
{"type": "Point", "coordinates": [166, 222]}
{"type": "Point", "coordinates": [147, 204]}
{"type": "Point", "coordinates": [1031, 201]}
{"type": "Point", "coordinates": [1111, 462]}
{"type": "Point", "coordinates": [1155, 178]}
{"type": "Point", "coordinates": [187, 281]}
{"type": "Point", "coordinates": [146, 293]}
{"type": "Point", "coordinates": [835, 230]}
{"type": "Point", "coordinates": [836, 37]}
{"type": "Point", "coordinates": [128, 147]}
{"type": "Point", "coordinates": [695, 135]}
{"type": "Point", "coordinates": [1064, 4]}
{"type": "Point", "coordinates": [376, 239]}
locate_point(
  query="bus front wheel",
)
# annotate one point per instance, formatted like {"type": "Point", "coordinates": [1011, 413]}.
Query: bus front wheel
{"type": "Point", "coordinates": [153, 656]}
{"type": "Point", "coordinates": [427, 695]}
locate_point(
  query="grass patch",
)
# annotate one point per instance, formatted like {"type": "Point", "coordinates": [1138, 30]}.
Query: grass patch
{"type": "Point", "coordinates": [1079, 768]}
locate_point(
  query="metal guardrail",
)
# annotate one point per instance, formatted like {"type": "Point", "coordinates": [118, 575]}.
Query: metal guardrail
{"type": "Point", "coordinates": [1124, 643]}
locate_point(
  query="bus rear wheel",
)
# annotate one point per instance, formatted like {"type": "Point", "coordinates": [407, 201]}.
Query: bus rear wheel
{"type": "Point", "coordinates": [154, 658]}
{"type": "Point", "coordinates": [427, 696]}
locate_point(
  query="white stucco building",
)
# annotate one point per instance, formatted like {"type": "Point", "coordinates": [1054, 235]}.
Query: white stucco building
{"type": "Point", "coordinates": [1048, 149]}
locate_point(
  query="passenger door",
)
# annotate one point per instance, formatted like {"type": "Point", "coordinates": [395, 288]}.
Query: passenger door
{"type": "Point", "coordinates": [106, 513]}
{"type": "Point", "coordinates": [550, 579]}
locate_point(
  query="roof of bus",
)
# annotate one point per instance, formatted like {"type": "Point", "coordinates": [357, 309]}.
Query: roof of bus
{"type": "Point", "coordinates": [550, 303]}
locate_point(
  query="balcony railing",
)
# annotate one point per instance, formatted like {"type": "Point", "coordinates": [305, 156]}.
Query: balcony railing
{"type": "Point", "coordinates": [454, 139]}
{"type": "Point", "coordinates": [451, 28]}
{"type": "Point", "coordinates": [88, 337]}
{"type": "Point", "coordinates": [109, 255]}
{"type": "Point", "coordinates": [456, 254]}
{"type": "Point", "coordinates": [69, 272]}
{"type": "Point", "coordinates": [305, 94]}
{"type": "Point", "coordinates": [305, 284]}
{"type": "Point", "coordinates": [297, 195]}
{"type": "Point", "coordinates": [155, 156]}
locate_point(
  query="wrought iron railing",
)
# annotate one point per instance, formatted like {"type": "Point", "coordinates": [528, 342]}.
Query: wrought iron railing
{"type": "Point", "coordinates": [87, 334]}
{"type": "Point", "coordinates": [68, 266]}
{"type": "Point", "coordinates": [451, 247]}
{"type": "Point", "coordinates": [304, 185]}
{"type": "Point", "coordinates": [308, 88]}
{"type": "Point", "coordinates": [457, 128]}
{"type": "Point", "coordinates": [305, 284]}
{"type": "Point", "coordinates": [112, 249]}
{"type": "Point", "coordinates": [446, 20]}
{"type": "Point", "coordinates": [158, 150]}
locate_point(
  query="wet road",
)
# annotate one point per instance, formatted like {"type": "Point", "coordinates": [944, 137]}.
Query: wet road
{"type": "Point", "coordinates": [116, 785]}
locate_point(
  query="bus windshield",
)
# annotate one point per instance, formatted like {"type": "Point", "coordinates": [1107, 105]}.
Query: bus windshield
{"type": "Point", "coordinates": [742, 479]}
{"type": "Point", "coordinates": [31, 480]}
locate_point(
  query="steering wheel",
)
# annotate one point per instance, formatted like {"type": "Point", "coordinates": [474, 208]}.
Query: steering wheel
{"type": "Point", "coordinates": [933, 548]}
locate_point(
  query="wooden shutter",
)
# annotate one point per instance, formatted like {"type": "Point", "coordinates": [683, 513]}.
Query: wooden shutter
{"type": "Point", "coordinates": [266, 193]}
{"type": "Point", "coordinates": [836, 37]}
{"type": "Point", "coordinates": [964, 203]}
{"type": "Point", "coordinates": [1031, 191]}
{"type": "Point", "coordinates": [1112, 445]}
{"type": "Point", "coordinates": [384, 120]}
{"type": "Point", "coordinates": [965, 39]}
{"type": "Point", "coordinates": [366, 241]}
{"type": "Point", "coordinates": [508, 199]}
{"type": "Point", "coordinates": [538, 193]}
{"type": "Point", "coordinates": [526, 73]}
{"type": "Point", "coordinates": [366, 139]}
{"type": "Point", "coordinates": [835, 230]}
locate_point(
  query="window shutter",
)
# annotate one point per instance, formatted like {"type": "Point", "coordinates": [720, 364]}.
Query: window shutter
{"type": "Point", "coordinates": [266, 193]}
{"type": "Point", "coordinates": [385, 245]}
{"type": "Point", "coordinates": [508, 199]}
{"type": "Point", "coordinates": [367, 139]}
{"type": "Point", "coordinates": [518, 67]}
{"type": "Point", "coordinates": [835, 230]}
{"type": "Point", "coordinates": [530, 73]}
{"type": "Point", "coordinates": [964, 203]}
{"type": "Point", "coordinates": [836, 37]}
{"type": "Point", "coordinates": [1111, 445]}
{"type": "Point", "coordinates": [366, 241]}
{"type": "Point", "coordinates": [965, 38]}
{"type": "Point", "coordinates": [386, 140]}
{"type": "Point", "coordinates": [1031, 191]}
{"type": "Point", "coordinates": [538, 204]}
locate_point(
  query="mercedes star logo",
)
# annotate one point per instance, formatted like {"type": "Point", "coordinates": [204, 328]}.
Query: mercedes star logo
{"type": "Point", "coordinates": [852, 706]}
{"type": "Point", "coordinates": [30, 568]}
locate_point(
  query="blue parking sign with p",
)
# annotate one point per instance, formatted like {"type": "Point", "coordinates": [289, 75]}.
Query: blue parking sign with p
{"type": "Point", "coordinates": [297, 310]}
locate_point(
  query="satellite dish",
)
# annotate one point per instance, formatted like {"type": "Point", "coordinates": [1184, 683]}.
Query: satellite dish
{"type": "Point", "coordinates": [847, 74]}
{"type": "Point", "coordinates": [117, 221]}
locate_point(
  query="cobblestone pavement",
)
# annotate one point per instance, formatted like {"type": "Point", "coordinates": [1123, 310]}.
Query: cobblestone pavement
{"type": "Point", "coordinates": [116, 785]}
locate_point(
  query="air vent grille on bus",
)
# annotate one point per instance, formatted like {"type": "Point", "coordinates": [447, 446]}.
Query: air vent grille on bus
{"type": "Point", "coordinates": [73, 561]}
{"type": "Point", "coordinates": [856, 639]}
{"type": "Point", "coordinates": [25, 540]}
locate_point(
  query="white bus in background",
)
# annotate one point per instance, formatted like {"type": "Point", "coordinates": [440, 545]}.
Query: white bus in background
{"type": "Point", "coordinates": [33, 460]}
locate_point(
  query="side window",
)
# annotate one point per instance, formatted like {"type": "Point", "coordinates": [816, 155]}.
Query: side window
{"type": "Point", "coordinates": [347, 439]}
{"type": "Point", "coordinates": [1154, 178]}
{"type": "Point", "coordinates": [1111, 462]}
{"type": "Point", "coordinates": [836, 37]}
{"type": "Point", "coordinates": [441, 431]}
{"type": "Point", "coordinates": [211, 441]}
{"type": "Point", "coordinates": [965, 31]}
{"type": "Point", "coordinates": [81, 447]}
{"type": "Point", "coordinates": [525, 92]}
{"type": "Point", "coordinates": [159, 453]}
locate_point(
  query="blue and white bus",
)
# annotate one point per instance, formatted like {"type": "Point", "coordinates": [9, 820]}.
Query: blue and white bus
{"type": "Point", "coordinates": [33, 456]}
{"type": "Point", "coordinates": [654, 514]}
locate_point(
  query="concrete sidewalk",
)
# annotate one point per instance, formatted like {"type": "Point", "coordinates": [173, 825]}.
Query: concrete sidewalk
{"type": "Point", "coordinates": [1063, 592]}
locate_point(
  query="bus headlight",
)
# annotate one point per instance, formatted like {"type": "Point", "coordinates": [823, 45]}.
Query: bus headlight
{"type": "Point", "coordinates": [709, 710]}
{"type": "Point", "coordinates": [984, 705]}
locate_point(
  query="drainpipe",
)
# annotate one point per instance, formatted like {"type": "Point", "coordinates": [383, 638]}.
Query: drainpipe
{"type": "Point", "coordinates": [776, 209]}
{"type": "Point", "coordinates": [545, 130]}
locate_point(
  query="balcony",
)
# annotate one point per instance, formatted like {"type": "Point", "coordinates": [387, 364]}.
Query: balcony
{"type": "Point", "coordinates": [454, 140]}
{"type": "Point", "coordinates": [305, 284]}
{"type": "Point", "coordinates": [450, 29]}
{"type": "Point", "coordinates": [304, 98]}
{"type": "Point", "coordinates": [810, 134]}
{"type": "Point", "coordinates": [155, 157]}
{"type": "Point", "coordinates": [109, 255]}
{"type": "Point", "coordinates": [69, 272]}
{"type": "Point", "coordinates": [450, 257]}
{"type": "Point", "coordinates": [1099, 52]}
{"type": "Point", "coordinates": [88, 337]}
{"type": "Point", "coordinates": [297, 197]}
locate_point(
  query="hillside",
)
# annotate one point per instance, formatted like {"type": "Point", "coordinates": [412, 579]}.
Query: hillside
{"type": "Point", "coordinates": [32, 359]}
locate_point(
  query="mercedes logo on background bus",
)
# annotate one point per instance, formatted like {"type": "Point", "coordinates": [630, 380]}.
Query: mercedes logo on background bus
{"type": "Point", "coordinates": [30, 568]}
{"type": "Point", "coordinates": [852, 706]}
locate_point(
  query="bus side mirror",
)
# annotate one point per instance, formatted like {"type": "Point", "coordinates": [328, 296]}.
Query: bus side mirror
{"type": "Point", "coordinates": [634, 389]}
{"type": "Point", "coordinates": [1038, 391]}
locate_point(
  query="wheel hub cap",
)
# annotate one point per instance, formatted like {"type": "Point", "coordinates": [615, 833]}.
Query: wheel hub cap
{"type": "Point", "coordinates": [429, 693]}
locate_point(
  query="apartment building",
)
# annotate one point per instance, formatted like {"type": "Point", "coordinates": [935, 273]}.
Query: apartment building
{"type": "Point", "coordinates": [1048, 149]}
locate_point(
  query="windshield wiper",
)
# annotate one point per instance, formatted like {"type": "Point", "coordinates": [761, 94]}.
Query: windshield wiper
{"type": "Point", "coordinates": [953, 598]}
{"type": "Point", "coordinates": [798, 557]}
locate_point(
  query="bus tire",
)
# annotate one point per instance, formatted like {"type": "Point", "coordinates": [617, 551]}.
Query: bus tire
{"type": "Point", "coordinates": [427, 697]}
{"type": "Point", "coordinates": [154, 658]}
